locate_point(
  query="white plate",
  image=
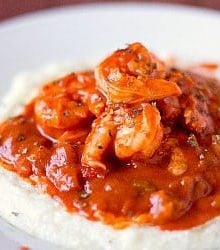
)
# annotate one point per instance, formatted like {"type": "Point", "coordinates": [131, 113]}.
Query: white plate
{"type": "Point", "coordinates": [74, 33]}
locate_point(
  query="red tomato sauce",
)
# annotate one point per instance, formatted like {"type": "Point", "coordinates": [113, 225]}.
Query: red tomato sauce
{"type": "Point", "coordinates": [177, 188]}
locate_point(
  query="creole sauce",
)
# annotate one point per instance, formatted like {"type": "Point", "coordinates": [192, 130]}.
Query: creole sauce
{"type": "Point", "coordinates": [177, 188]}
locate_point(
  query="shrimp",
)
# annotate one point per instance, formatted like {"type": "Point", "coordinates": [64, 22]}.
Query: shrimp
{"type": "Point", "coordinates": [60, 112]}
{"type": "Point", "coordinates": [132, 131]}
{"type": "Point", "coordinates": [97, 142]}
{"type": "Point", "coordinates": [69, 101]}
{"type": "Point", "coordinates": [140, 132]}
{"type": "Point", "coordinates": [133, 75]}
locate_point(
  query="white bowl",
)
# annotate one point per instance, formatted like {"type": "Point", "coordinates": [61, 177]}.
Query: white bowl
{"type": "Point", "coordinates": [74, 33]}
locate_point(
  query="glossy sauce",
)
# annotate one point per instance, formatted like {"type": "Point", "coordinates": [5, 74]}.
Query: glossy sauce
{"type": "Point", "coordinates": [138, 190]}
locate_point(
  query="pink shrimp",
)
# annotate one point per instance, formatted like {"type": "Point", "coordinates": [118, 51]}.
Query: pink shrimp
{"type": "Point", "coordinates": [140, 132]}
{"type": "Point", "coordinates": [96, 144]}
{"type": "Point", "coordinates": [132, 131]}
{"type": "Point", "coordinates": [69, 101]}
{"type": "Point", "coordinates": [133, 75]}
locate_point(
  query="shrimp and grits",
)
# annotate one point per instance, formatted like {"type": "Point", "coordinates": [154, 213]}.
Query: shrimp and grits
{"type": "Point", "coordinates": [117, 157]}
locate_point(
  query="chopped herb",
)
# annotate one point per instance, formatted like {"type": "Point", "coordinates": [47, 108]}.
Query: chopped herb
{"type": "Point", "coordinates": [180, 82]}
{"type": "Point", "coordinates": [15, 214]}
{"type": "Point", "coordinates": [201, 110]}
{"type": "Point", "coordinates": [148, 65]}
{"type": "Point", "coordinates": [100, 146]}
{"type": "Point", "coordinates": [193, 119]}
{"type": "Point", "coordinates": [21, 137]}
{"type": "Point", "coordinates": [192, 141]}
{"type": "Point", "coordinates": [136, 111]}
{"type": "Point", "coordinates": [200, 97]}
{"type": "Point", "coordinates": [154, 65]}
{"type": "Point", "coordinates": [66, 113]}
{"type": "Point", "coordinates": [110, 133]}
